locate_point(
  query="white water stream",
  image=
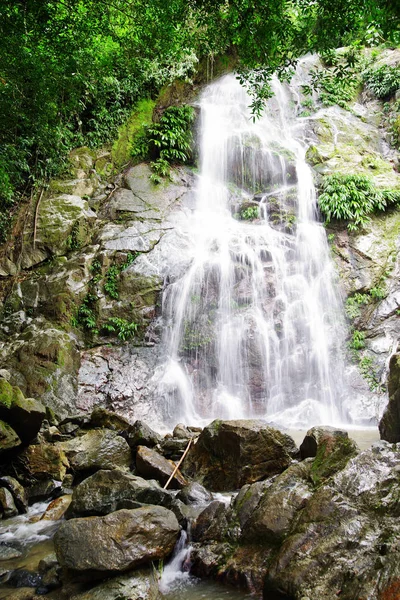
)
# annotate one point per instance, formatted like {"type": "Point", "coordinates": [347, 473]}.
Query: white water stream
{"type": "Point", "coordinates": [254, 327]}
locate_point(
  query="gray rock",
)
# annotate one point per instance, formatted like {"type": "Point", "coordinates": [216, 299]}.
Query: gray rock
{"type": "Point", "coordinates": [107, 419]}
{"type": "Point", "coordinates": [118, 541]}
{"type": "Point", "coordinates": [7, 505]}
{"type": "Point", "coordinates": [138, 585]}
{"type": "Point", "coordinates": [229, 454]}
{"type": "Point", "coordinates": [108, 491]}
{"type": "Point", "coordinates": [141, 434]}
{"type": "Point", "coordinates": [17, 491]}
{"type": "Point", "coordinates": [152, 465]}
{"type": "Point", "coordinates": [317, 436]}
{"type": "Point", "coordinates": [8, 438]}
{"type": "Point", "coordinates": [98, 449]}
{"type": "Point", "coordinates": [194, 493]}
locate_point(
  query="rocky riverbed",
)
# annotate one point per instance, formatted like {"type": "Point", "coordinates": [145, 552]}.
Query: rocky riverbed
{"type": "Point", "coordinates": [309, 522]}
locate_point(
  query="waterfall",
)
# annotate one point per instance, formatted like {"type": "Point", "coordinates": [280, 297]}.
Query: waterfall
{"type": "Point", "coordinates": [254, 328]}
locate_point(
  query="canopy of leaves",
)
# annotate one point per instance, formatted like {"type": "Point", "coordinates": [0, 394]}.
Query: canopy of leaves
{"type": "Point", "coordinates": [70, 70]}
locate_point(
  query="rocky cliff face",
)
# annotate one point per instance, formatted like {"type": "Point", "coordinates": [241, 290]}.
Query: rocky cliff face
{"type": "Point", "coordinates": [81, 279]}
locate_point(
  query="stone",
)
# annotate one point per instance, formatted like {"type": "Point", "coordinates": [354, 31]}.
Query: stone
{"type": "Point", "coordinates": [101, 417]}
{"type": "Point", "coordinates": [389, 426]}
{"type": "Point", "coordinates": [138, 585]}
{"type": "Point", "coordinates": [25, 415]}
{"type": "Point", "coordinates": [57, 508]}
{"type": "Point", "coordinates": [43, 490]}
{"type": "Point", "coordinates": [152, 465]}
{"type": "Point", "coordinates": [7, 506]}
{"type": "Point", "coordinates": [17, 491]}
{"type": "Point", "coordinates": [9, 553]}
{"type": "Point", "coordinates": [42, 462]}
{"type": "Point", "coordinates": [108, 491]}
{"type": "Point", "coordinates": [183, 432]}
{"type": "Point", "coordinates": [194, 493]}
{"type": "Point", "coordinates": [229, 454]}
{"type": "Point", "coordinates": [333, 449]}
{"type": "Point", "coordinates": [97, 449]}
{"type": "Point", "coordinates": [173, 447]}
{"type": "Point", "coordinates": [8, 438]}
{"type": "Point", "coordinates": [117, 542]}
{"type": "Point", "coordinates": [212, 523]}
{"type": "Point", "coordinates": [141, 434]}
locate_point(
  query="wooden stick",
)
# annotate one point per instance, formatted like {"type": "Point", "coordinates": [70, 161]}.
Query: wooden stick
{"type": "Point", "coordinates": [36, 218]}
{"type": "Point", "coordinates": [179, 464]}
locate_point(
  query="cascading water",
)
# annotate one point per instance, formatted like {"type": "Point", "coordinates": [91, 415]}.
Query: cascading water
{"type": "Point", "coordinates": [254, 327]}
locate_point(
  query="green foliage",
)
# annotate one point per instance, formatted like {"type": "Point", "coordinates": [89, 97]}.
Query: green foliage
{"type": "Point", "coordinates": [169, 141]}
{"type": "Point", "coordinates": [368, 372]}
{"type": "Point", "coordinates": [383, 81]}
{"type": "Point", "coordinates": [353, 304]}
{"type": "Point", "coordinates": [353, 198]}
{"type": "Point", "coordinates": [111, 282]}
{"type": "Point", "coordinates": [378, 292]}
{"type": "Point", "coordinates": [249, 213]}
{"type": "Point", "coordinates": [357, 341]}
{"type": "Point", "coordinates": [86, 316]}
{"type": "Point", "coordinates": [123, 328]}
{"type": "Point", "coordinates": [73, 241]}
{"type": "Point", "coordinates": [111, 278]}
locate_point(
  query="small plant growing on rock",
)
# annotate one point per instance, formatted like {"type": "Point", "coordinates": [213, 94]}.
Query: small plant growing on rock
{"type": "Point", "coordinates": [353, 198]}
{"type": "Point", "coordinates": [383, 81]}
{"type": "Point", "coordinates": [357, 341]}
{"type": "Point", "coordinates": [354, 303]}
{"type": "Point", "coordinates": [123, 328]}
{"type": "Point", "coordinates": [249, 213]}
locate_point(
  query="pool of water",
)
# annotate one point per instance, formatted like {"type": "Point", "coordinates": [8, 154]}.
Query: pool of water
{"type": "Point", "coordinates": [192, 588]}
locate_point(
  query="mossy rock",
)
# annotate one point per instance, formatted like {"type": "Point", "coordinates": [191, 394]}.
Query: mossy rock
{"type": "Point", "coordinates": [140, 117]}
{"type": "Point", "coordinates": [334, 451]}
{"type": "Point", "coordinates": [8, 438]}
{"type": "Point", "coordinates": [42, 462]}
{"type": "Point", "coordinates": [25, 415]}
{"type": "Point", "coordinates": [389, 427]}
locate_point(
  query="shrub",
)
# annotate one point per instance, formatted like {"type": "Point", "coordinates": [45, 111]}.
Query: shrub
{"type": "Point", "coordinates": [123, 328]}
{"type": "Point", "coordinates": [353, 198]}
{"type": "Point", "coordinates": [169, 141]}
{"type": "Point", "coordinates": [383, 81]}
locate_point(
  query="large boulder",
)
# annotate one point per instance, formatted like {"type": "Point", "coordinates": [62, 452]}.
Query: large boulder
{"type": "Point", "coordinates": [229, 454]}
{"type": "Point", "coordinates": [152, 465]}
{"type": "Point", "coordinates": [287, 537]}
{"type": "Point", "coordinates": [98, 449]}
{"type": "Point", "coordinates": [389, 427]}
{"type": "Point", "coordinates": [141, 434]}
{"type": "Point", "coordinates": [117, 542]}
{"type": "Point", "coordinates": [108, 491]}
{"type": "Point", "coordinates": [42, 462]}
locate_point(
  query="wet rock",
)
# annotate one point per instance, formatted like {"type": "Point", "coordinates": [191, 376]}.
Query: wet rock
{"type": "Point", "coordinates": [389, 427]}
{"type": "Point", "coordinates": [277, 507]}
{"type": "Point", "coordinates": [101, 417]}
{"type": "Point", "coordinates": [98, 449]}
{"type": "Point", "coordinates": [57, 508]}
{"type": "Point", "coordinates": [7, 506]}
{"type": "Point", "coordinates": [173, 447]}
{"type": "Point", "coordinates": [141, 434]}
{"type": "Point", "coordinates": [42, 462]}
{"type": "Point", "coordinates": [43, 490]}
{"type": "Point", "coordinates": [25, 415]}
{"type": "Point", "coordinates": [108, 491]}
{"type": "Point", "coordinates": [333, 451]}
{"type": "Point", "coordinates": [138, 585]}
{"type": "Point", "coordinates": [316, 436]}
{"type": "Point", "coordinates": [211, 524]}
{"type": "Point", "coordinates": [18, 492]}
{"type": "Point", "coordinates": [8, 438]}
{"type": "Point", "coordinates": [183, 432]}
{"type": "Point", "coordinates": [152, 465]}
{"type": "Point", "coordinates": [229, 454]}
{"type": "Point", "coordinates": [8, 553]}
{"type": "Point", "coordinates": [194, 493]}
{"type": "Point", "coordinates": [118, 541]}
